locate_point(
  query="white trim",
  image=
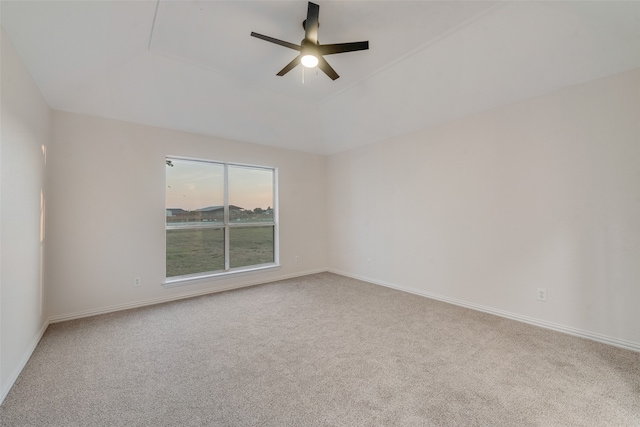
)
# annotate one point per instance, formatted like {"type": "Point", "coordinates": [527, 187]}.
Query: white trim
{"type": "Point", "coordinates": [616, 342]}
{"type": "Point", "coordinates": [176, 281]}
{"type": "Point", "coordinates": [153, 301]}
{"type": "Point", "coordinates": [226, 226]}
{"type": "Point", "coordinates": [127, 306]}
{"type": "Point", "coordinates": [25, 358]}
{"type": "Point", "coordinates": [275, 211]}
{"type": "Point", "coordinates": [220, 162]}
{"type": "Point", "coordinates": [225, 219]}
{"type": "Point", "coordinates": [194, 226]}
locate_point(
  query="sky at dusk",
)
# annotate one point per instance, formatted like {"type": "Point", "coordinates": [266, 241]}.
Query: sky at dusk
{"type": "Point", "coordinates": [195, 185]}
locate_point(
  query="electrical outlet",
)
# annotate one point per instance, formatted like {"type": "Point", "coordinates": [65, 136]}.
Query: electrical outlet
{"type": "Point", "coordinates": [297, 258]}
{"type": "Point", "coordinates": [542, 294]}
{"type": "Point", "coordinates": [369, 262]}
{"type": "Point", "coordinates": [137, 281]}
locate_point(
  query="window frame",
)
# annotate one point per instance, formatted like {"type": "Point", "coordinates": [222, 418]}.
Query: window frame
{"type": "Point", "coordinates": [226, 226]}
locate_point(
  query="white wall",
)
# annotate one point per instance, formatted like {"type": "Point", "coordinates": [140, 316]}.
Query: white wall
{"type": "Point", "coordinates": [484, 210]}
{"type": "Point", "coordinates": [25, 131]}
{"type": "Point", "coordinates": [106, 218]}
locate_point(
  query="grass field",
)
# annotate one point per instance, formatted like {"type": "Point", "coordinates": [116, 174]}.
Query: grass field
{"type": "Point", "coordinates": [201, 250]}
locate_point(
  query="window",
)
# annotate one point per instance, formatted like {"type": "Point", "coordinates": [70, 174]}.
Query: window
{"type": "Point", "coordinates": [220, 218]}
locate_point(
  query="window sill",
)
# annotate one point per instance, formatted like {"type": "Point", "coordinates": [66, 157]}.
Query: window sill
{"type": "Point", "coordinates": [193, 279]}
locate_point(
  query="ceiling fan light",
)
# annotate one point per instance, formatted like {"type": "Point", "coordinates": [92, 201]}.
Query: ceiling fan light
{"type": "Point", "coordinates": [309, 61]}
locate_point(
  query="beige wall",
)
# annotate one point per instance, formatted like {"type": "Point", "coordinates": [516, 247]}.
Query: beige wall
{"type": "Point", "coordinates": [107, 212]}
{"type": "Point", "coordinates": [486, 209]}
{"type": "Point", "coordinates": [25, 131]}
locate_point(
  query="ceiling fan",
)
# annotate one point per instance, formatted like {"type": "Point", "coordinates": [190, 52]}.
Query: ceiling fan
{"type": "Point", "coordinates": [311, 52]}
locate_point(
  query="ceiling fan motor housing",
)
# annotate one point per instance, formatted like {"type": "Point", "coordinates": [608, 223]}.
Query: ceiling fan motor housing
{"type": "Point", "coordinates": [308, 47]}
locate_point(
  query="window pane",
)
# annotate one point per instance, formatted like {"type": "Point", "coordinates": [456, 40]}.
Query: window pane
{"type": "Point", "coordinates": [195, 192]}
{"type": "Point", "coordinates": [250, 194]}
{"type": "Point", "coordinates": [250, 246]}
{"type": "Point", "coordinates": [196, 250]}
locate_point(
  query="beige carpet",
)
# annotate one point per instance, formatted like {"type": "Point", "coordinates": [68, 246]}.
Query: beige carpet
{"type": "Point", "coordinates": [321, 350]}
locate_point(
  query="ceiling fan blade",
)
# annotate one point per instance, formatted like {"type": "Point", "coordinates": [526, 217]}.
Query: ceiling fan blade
{"type": "Point", "coordinates": [276, 41]}
{"type": "Point", "coordinates": [311, 24]}
{"type": "Point", "coordinates": [290, 66]}
{"type": "Point", "coordinates": [329, 49]}
{"type": "Point", "coordinates": [326, 68]}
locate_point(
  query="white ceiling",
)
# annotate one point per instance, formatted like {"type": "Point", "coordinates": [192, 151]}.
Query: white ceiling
{"type": "Point", "coordinates": [192, 66]}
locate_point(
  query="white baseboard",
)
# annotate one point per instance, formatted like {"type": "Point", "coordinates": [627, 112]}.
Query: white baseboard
{"type": "Point", "coordinates": [513, 316]}
{"type": "Point", "coordinates": [86, 313]}
{"type": "Point", "coordinates": [25, 358]}
{"type": "Point", "coordinates": [103, 310]}
{"type": "Point", "coordinates": [153, 301]}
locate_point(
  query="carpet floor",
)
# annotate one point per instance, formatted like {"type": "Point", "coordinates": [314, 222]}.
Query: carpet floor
{"type": "Point", "coordinates": [319, 350]}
